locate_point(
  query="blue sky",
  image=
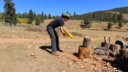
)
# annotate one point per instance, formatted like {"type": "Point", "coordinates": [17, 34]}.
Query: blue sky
{"type": "Point", "coordinates": [56, 7]}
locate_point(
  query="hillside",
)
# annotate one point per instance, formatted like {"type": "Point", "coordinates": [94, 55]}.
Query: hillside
{"type": "Point", "coordinates": [124, 10]}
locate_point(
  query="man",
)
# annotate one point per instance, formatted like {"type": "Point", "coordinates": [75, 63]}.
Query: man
{"type": "Point", "coordinates": [53, 35]}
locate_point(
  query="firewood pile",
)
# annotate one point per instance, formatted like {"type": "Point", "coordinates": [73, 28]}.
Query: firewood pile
{"type": "Point", "coordinates": [118, 50]}
{"type": "Point", "coordinates": [107, 58]}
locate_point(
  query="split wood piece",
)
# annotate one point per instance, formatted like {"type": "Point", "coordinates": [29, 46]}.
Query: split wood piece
{"type": "Point", "coordinates": [103, 51]}
{"type": "Point", "coordinates": [106, 39]}
{"type": "Point", "coordinates": [107, 45]}
{"type": "Point", "coordinates": [121, 43]}
{"type": "Point", "coordinates": [115, 48]}
{"type": "Point", "coordinates": [83, 52]}
{"type": "Point", "coordinates": [123, 53]}
{"type": "Point", "coordinates": [86, 41]}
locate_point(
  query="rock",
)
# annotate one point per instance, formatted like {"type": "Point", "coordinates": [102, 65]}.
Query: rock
{"type": "Point", "coordinates": [95, 69]}
{"type": "Point", "coordinates": [32, 54]}
{"type": "Point", "coordinates": [105, 69]}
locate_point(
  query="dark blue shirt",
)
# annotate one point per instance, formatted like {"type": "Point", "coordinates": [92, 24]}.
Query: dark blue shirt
{"type": "Point", "coordinates": [56, 23]}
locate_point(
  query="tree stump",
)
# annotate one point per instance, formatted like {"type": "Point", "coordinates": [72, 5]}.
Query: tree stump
{"type": "Point", "coordinates": [121, 43]}
{"type": "Point", "coordinates": [84, 51]}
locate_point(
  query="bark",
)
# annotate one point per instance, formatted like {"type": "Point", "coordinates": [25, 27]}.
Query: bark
{"type": "Point", "coordinates": [83, 52]}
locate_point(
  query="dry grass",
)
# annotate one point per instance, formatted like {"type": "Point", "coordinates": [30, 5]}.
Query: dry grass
{"type": "Point", "coordinates": [17, 45]}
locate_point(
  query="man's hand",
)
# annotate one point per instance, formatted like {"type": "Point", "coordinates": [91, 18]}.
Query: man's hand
{"type": "Point", "coordinates": [70, 35]}
{"type": "Point", "coordinates": [64, 34]}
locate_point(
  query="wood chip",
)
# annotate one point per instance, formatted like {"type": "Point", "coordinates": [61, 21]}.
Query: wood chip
{"type": "Point", "coordinates": [82, 67]}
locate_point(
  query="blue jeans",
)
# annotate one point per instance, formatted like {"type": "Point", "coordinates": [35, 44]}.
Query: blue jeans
{"type": "Point", "coordinates": [54, 39]}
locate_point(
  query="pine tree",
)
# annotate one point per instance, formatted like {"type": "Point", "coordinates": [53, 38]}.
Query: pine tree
{"type": "Point", "coordinates": [23, 16]}
{"type": "Point", "coordinates": [0, 15]}
{"type": "Point", "coordinates": [74, 13]}
{"type": "Point", "coordinates": [37, 20]}
{"type": "Point", "coordinates": [67, 12]}
{"type": "Point", "coordinates": [19, 15]}
{"type": "Point", "coordinates": [30, 17]}
{"type": "Point", "coordinates": [42, 17]}
{"type": "Point", "coordinates": [120, 17]}
{"type": "Point", "coordinates": [114, 18]}
{"type": "Point", "coordinates": [57, 16]}
{"type": "Point", "coordinates": [34, 15]}
{"type": "Point", "coordinates": [62, 14]}
{"type": "Point", "coordinates": [49, 16]}
{"type": "Point", "coordinates": [109, 25]}
{"type": "Point", "coordinates": [94, 16]}
{"type": "Point", "coordinates": [120, 24]}
{"type": "Point", "coordinates": [39, 16]}
{"type": "Point", "coordinates": [54, 17]}
{"type": "Point", "coordinates": [9, 14]}
{"type": "Point", "coordinates": [86, 21]}
{"type": "Point", "coordinates": [108, 16]}
{"type": "Point", "coordinates": [45, 16]}
{"type": "Point", "coordinates": [26, 15]}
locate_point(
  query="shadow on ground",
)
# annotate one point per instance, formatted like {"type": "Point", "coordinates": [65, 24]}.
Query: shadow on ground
{"type": "Point", "coordinates": [45, 48]}
{"type": "Point", "coordinates": [116, 65]}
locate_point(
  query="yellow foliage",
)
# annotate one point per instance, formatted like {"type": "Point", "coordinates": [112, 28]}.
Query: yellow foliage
{"type": "Point", "coordinates": [23, 21]}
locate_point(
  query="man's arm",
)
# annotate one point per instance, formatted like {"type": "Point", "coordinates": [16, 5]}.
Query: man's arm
{"type": "Point", "coordinates": [64, 30]}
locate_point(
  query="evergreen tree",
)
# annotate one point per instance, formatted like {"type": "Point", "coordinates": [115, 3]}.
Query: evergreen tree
{"type": "Point", "coordinates": [1, 17]}
{"type": "Point", "coordinates": [109, 25]}
{"type": "Point", "coordinates": [34, 15]}
{"type": "Point", "coordinates": [54, 17]}
{"type": "Point", "coordinates": [10, 15]}
{"type": "Point", "coordinates": [86, 21]}
{"type": "Point", "coordinates": [23, 16]}
{"type": "Point", "coordinates": [37, 20]}
{"type": "Point", "coordinates": [57, 16]}
{"type": "Point", "coordinates": [74, 13]}
{"type": "Point", "coordinates": [114, 18]}
{"type": "Point", "coordinates": [39, 16]}
{"type": "Point", "coordinates": [94, 16]}
{"type": "Point", "coordinates": [108, 16]}
{"type": "Point", "coordinates": [120, 24]}
{"type": "Point", "coordinates": [45, 16]}
{"type": "Point", "coordinates": [42, 17]}
{"type": "Point", "coordinates": [67, 12]}
{"type": "Point", "coordinates": [49, 16]}
{"type": "Point", "coordinates": [19, 15]}
{"type": "Point", "coordinates": [120, 17]}
{"type": "Point", "coordinates": [30, 17]}
{"type": "Point", "coordinates": [26, 15]}
{"type": "Point", "coordinates": [62, 14]}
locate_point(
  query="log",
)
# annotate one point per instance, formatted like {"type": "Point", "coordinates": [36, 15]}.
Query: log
{"type": "Point", "coordinates": [86, 41]}
{"type": "Point", "coordinates": [104, 44]}
{"type": "Point", "coordinates": [106, 40]}
{"type": "Point", "coordinates": [103, 51]}
{"type": "Point", "coordinates": [121, 43]}
{"type": "Point", "coordinates": [115, 48]}
{"type": "Point", "coordinates": [83, 52]}
{"type": "Point", "coordinates": [123, 53]}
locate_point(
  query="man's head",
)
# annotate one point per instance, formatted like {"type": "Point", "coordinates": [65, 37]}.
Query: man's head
{"type": "Point", "coordinates": [66, 16]}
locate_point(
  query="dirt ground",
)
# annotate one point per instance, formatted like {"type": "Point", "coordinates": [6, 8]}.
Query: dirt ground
{"type": "Point", "coordinates": [26, 51]}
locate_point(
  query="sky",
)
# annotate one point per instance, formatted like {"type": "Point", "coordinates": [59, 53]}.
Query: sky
{"type": "Point", "coordinates": [56, 7]}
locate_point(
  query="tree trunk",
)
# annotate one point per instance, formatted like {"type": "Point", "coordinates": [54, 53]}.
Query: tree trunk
{"type": "Point", "coordinates": [86, 42]}
{"type": "Point", "coordinates": [84, 51]}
